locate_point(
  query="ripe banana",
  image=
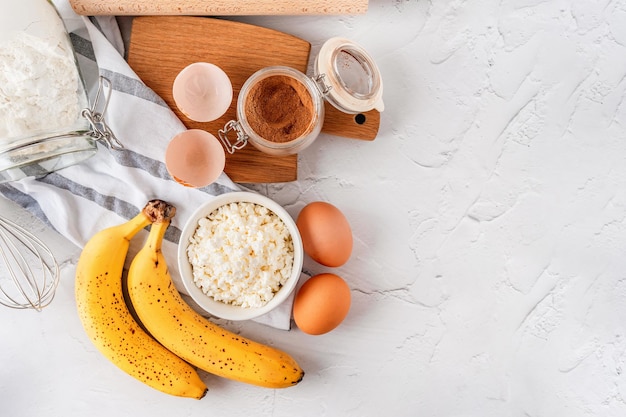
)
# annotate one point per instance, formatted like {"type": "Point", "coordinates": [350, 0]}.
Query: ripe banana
{"type": "Point", "coordinates": [170, 320]}
{"type": "Point", "coordinates": [108, 321]}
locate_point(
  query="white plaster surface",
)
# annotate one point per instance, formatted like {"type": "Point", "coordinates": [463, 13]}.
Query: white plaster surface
{"type": "Point", "coordinates": [489, 215]}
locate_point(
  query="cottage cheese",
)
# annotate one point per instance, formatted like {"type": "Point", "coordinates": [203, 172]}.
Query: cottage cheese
{"type": "Point", "coordinates": [242, 254]}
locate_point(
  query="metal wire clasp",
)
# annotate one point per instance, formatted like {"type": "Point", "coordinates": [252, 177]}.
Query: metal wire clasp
{"type": "Point", "coordinates": [320, 81]}
{"type": "Point", "coordinates": [242, 138]}
{"type": "Point", "coordinates": [100, 130]}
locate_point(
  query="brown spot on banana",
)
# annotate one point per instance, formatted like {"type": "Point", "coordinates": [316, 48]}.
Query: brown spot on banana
{"type": "Point", "coordinates": [194, 338]}
{"type": "Point", "coordinates": [109, 324]}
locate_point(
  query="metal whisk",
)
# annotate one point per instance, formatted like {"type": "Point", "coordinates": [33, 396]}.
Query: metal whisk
{"type": "Point", "coordinates": [31, 273]}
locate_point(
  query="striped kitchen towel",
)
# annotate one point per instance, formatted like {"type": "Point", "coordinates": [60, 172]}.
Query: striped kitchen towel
{"type": "Point", "coordinates": [114, 185]}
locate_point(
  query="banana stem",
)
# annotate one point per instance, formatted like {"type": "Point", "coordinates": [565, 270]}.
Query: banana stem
{"type": "Point", "coordinates": [154, 211]}
{"type": "Point", "coordinates": [159, 210]}
{"type": "Point", "coordinates": [155, 238]}
{"type": "Point", "coordinates": [160, 213]}
{"type": "Point", "coordinates": [134, 225]}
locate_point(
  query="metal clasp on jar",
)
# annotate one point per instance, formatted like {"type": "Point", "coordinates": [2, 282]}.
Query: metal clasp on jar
{"type": "Point", "coordinates": [100, 131]}
{"type": "Point", "coordinates": [321, 84]}
{"type": "Point", "coordinates": [242, 137]}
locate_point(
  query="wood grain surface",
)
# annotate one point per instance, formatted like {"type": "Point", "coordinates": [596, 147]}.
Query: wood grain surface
{"type": "Point", "coordinates": [161, 46]}
{"type": "Point", "coordinates": [219, 7]}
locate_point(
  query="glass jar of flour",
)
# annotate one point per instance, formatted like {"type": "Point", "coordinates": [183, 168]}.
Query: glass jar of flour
{"type": "Point", "coordinates": [45, 121]}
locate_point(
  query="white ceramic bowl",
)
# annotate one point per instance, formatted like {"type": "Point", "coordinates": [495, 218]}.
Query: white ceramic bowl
{"type": "Point", "coordinates": [218, 308]}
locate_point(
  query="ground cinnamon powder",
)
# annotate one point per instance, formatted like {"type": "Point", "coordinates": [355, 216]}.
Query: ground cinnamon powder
{"type": "Point", "coordinates": [279, 109]}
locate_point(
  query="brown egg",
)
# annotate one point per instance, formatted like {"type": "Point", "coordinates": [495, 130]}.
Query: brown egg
{"type": "Point", "coordinates": [321, 304]}
{"type": "Point", "coordinates": [326, 233]}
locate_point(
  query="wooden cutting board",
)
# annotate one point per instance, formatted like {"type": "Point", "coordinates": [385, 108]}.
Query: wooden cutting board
{"type": "Point", "coordinates": [161, 46]}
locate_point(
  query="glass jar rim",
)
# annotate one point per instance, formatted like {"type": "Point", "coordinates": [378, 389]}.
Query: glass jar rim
{"type": "Point", "coordinates": [312, 89]}
{"type": "Point", "coordinates": [45, 155]}
{"type": "Point", "coordinates": [345, 68]}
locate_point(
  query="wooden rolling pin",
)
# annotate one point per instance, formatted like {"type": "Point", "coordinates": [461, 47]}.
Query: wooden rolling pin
{"type": "Point", "coordinates": [218, 7]}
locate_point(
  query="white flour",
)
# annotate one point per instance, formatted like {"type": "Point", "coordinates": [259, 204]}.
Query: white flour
{"type": "Point", "coordinates": [38, 85]}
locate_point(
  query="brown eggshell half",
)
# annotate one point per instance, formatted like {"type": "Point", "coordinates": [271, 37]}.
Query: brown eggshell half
{"type": "Point", "coordinates": [195, 158]}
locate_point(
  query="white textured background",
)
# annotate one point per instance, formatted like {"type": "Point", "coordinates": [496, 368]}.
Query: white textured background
{"type": "Point", "coordinates": [489, 272]}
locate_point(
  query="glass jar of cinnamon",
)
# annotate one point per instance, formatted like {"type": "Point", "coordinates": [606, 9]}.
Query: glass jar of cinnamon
{"type": "Point", "coordinates": [280, 110]}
